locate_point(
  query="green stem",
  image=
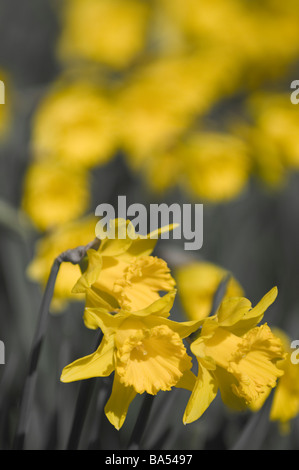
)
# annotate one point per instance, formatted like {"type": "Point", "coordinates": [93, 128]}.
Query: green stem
{"type": "Point", "coordinates": [255, 431]}
{"type": "Point", "coordinates": [30, 382]}
{"type": "Point", "coordinates": [83, 401]}
{"type": "Point", "coordinates": [141, 422]}
{"type": "Point", "coordinates": [73, 256]}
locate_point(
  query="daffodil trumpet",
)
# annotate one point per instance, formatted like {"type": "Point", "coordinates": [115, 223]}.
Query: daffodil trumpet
{"type": "Point", "coordinates": [235, 356]}
{"type": "Point", "coordinates": [123, 274]}
{"type": "Point", "coordinates": [145, 351]}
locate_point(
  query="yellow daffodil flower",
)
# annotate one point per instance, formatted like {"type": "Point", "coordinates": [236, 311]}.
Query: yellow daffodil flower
{"type": "Point", "coordinates": [236, 356]}
{"type": "Point", "coordinates": [51, 245]}
{"type": "Point", "coordinates": [121, 274]}
{"type": "Point", "coordinates": [251, 41]}
{"type": "Point", "coordinates": [197, 283]}
{"type": "Point", "coordinates": [111, 32]}
{"type": "Point", "coordinates": [144, 349]}
{"type": "Point", "coordinates": [54, 193]}
{"type": "Point", "coordinates": [75, 123]}
{"type": "Point", "coordinates": [276, 119]}
{"type": "Point", "coordinates": [267, 162]}
{"type": "Point", "coordinates": [212, 166]}
{"type": "Point", "coordinates": [160, 100]}
{"type": "Point", "coordinates": [271, 137]}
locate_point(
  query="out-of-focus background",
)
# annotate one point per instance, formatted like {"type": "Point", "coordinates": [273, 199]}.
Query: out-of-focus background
{"type": "Point", "coordinates": [162, 101]}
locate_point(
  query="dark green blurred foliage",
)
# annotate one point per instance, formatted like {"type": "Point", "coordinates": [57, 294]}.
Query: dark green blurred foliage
{"type": "Point", "coordinates": [255, 236]}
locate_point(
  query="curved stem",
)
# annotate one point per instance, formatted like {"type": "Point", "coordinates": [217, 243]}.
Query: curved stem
{"type": "Point", "coordinates": [73, 256]}
{"type": "Point", "coordinates": [141, 422]}
{"type": "Point", "coordinates": [30, 382]}
{"type": "Point", "coordinates": [83, 401]}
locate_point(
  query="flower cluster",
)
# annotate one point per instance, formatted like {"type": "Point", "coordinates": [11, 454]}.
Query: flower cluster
{"type": "Point", "coordinates": [124, 287]}
{"type": "Point", "coordinates": [146, 80]}
{"type": "Point", "coordinates": [180, 97]}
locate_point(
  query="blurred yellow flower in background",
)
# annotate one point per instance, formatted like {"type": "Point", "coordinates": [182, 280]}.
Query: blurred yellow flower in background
{"type": "Point", "coordinates": [54, 193]}
{"type": "Point", "coordinates": [210, 166]}
{"type": "Point", "coordinates": [187, 62]}
{"type": "Point", "coordinates": [267, 164]}
{"type": "Point", "coordinates": [111, 32]}
{"type": "Point", "coordinates": [161, 99]}
{"type": "Point", "coordinates": [162, 171]}
{"type": "Point", "coordinates": [277, 119]}
{"type": "Point", "coordinates": [285, 405]}
{"type": "Point", "coordinates": [251, 40]}
{"type": "Point", "coordinates": [144, 348]}
{"type": "Point", "coordinates": [197, 283]}
{"type": "Point", "coordinates": [70, 235]}
{"type": "Point", "coordinates": [167, 102]}
{"type": "Point", "coordinates": [236, 356]}
{"type": "Point", "coordinates": [216, 166]}
{"type": "Point", "coordinates": [75, 123]}
{"type": "Point", "coordinates": [270, 133]}
{"type": "Point", "coordinates": [6, 98]}
{"type": "Point", "coordinates": [148, 101]}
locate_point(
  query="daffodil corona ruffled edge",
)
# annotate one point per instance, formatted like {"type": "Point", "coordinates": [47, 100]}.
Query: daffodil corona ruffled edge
{"type": "Point", "coordinates": [236, 357]}
{"type": "Point", "coordinates": [144, 349]}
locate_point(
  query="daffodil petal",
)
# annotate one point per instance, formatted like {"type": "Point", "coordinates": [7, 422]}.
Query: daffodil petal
{"type": "Point", "coordinates": [160, 307]}
{"type": "Point", "coordinates": [232, 309]}
{"type": "Point", "coordinates": [92, 274]}
{"type": "Point", "coordinates": [167, 228]}
{"type": "Point", "coordinates": [229, 398]}
{"type": "Point", "coordinates": [118, 239]}
{"type": "Point", "coordinates": [254, 315]}
{"type": "Point", "coordinates": [258, 311]}
{"type": "Point", "coordinates": [204, 392]}
{"type": "Point", "coordinates": [115, 247]}
{"type": "Point", "coordinates": [103, 319]}
{"type": "Point", "coordinates": [95, 298]}
{"type": "Point", "coordinates": [184, 329]}
{"type": "Point", "coordinates": [117, 406]}
{"type": "Point", "coordinates": [98, 364]}
{"type": "Point", "coordinates": [187, 381]}
{"type": "Point", "coordinates": [144, 246]}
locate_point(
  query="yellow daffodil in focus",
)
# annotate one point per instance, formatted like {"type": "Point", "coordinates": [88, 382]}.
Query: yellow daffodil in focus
{"type": "Point", "coordinates": [235, 356]}
{"type": "Point", "coordinates": [144, 349]}
{"type": "Point", "coordinates": [75, 123]}
{"type": "Point", "coordinates": [68, 236]}
{"type": "Point", "coordinates": [121, 274]}
{"type": "Point", "coordinates": [197, 284]}
{"type": "Point", "coordinates": [111, 32]}
{"type": "Point", "coordinates": [217, 166]}
{"type": "Point", "coordinates": [285, 405]}
{"type": "Point", "coordinates": [54, 194]}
